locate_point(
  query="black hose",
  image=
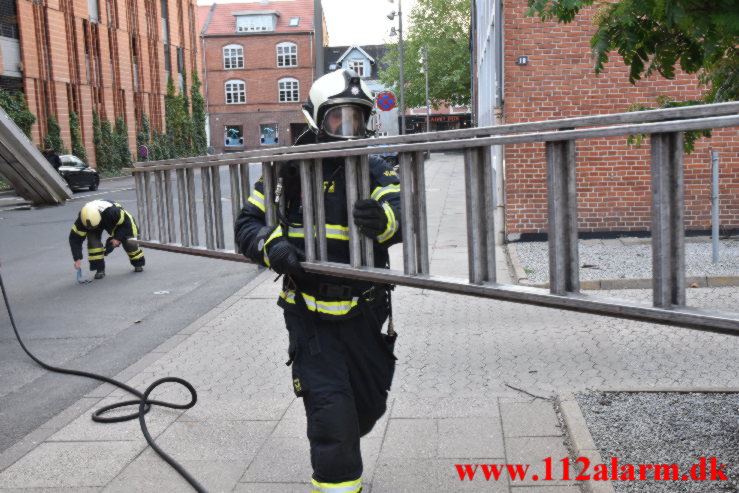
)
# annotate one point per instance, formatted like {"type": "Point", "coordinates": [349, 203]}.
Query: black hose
{"type": "Point", "coordinates": [143, 399]}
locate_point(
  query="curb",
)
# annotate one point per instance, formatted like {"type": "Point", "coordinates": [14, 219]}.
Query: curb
{"type": "Point", "coordinates": [520, 277]}
{"type": "Point", "coordinates": [582, 441]}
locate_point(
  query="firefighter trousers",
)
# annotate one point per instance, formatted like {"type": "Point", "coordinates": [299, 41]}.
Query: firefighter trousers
{"type": "Point", "coordinates": [343, 371]}
{"type": "Point", "coordinates": [96, 251]}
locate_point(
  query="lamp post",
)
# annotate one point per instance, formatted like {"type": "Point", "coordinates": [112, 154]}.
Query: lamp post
{"type": "Point", "coordinates": [399, 32]}
{"type": "Point", "coordinates": [425, 70]}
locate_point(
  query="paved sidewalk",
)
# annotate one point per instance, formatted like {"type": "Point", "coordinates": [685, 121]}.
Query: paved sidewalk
{"type": "Point", "coordinates": [478, 382]}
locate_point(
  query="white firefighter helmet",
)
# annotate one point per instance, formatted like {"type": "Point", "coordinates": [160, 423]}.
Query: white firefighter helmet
{"type": "Point", "coordinates": [90, 215]}
{"type": "Point", "coordinates": [339, 105]}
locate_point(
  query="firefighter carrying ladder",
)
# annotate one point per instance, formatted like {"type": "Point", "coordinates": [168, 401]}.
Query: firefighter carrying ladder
{"type": "Point", "coordinates": [156, 203]}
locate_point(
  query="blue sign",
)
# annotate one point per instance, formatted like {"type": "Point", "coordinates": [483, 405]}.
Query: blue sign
{"type": "Point", "coordinates": [143, 151]}
{"type": "Point", "coordinates": [385, 101]}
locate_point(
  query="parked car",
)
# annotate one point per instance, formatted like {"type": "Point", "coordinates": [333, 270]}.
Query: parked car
{"type": "Point", "coordinates": [77, 173]}
{"type": "Point", "coordinates": [390, 157]}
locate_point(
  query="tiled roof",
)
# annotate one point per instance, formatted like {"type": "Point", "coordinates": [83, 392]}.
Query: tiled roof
{"type": "Point", "coordinates": [222, 20]}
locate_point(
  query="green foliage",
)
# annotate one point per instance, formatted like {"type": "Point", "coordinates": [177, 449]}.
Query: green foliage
{"type": "Point", "coordinates": [659, 35]}
{"type": "Point", "coordinates": [78, 148]}
{"type": "Point", "coordinates": [198, 137]}
{"type": "Point", "coordinates": [142, 137]}
{"type": "Point", "coordinates": [101, 156]}
{"type": "Point", "coordinates": [443, 26]}
{"type": "Point", "coordinates": [178, 122]}
{"type": "Point", "coordinates": [689, 138]}
{"type": "Point", "coordinates": [121, 154]}
{"type": "Point", "coordinates": [16, 107]}
{"type": "Point", "coordinates": [106, 147]}
{"type": "Point", "coordinates": [53, 137]}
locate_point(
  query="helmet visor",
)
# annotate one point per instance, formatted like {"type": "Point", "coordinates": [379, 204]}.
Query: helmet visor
{"type": "Point", "coordinates": [345, 121]}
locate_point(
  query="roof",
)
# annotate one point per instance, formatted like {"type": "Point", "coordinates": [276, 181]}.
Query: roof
{"type": "Point", "coordinates": [219, 19]}
{"type": "Point", "coordinates": [355, 47]}
{"type": "Point", "coordinates": [336, 54]}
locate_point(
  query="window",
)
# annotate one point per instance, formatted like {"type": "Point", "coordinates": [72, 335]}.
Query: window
{"type": "Point", "coordinates": [255, 23]}
{"type": "Point", "coordinates": [289, 91]}
{"type": "Point", "coordinates": [294, 21]}
{"type": "Point", "coordinates": [235, 92]}
{"type": "Point", "coordinates": [234, 135]}
{"type": "Point", "coordinates": [287, 55]}
{"type": "Point", "coordinates": [268, 134]}
{"type": "Point", "coordinates": [233, 57]}
{"type": "Point", "coordinates": [357, 66]}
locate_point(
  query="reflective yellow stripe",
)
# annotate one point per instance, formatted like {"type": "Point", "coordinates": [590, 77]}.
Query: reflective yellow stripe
{"type": "Point", "coordinates": [345, 487]}
{"type": "Point", "coordinates": [333, 231]}
{"type": "Point", "coordinates": [135, 255]}
{"type": "Point", "coordinates": [380, 191]}
{"type": "Point", "coordinates": [392, 224]}
{"type": "Point", "coordinates": [95, 257]}
{"type": "Point", "coordinates": [257, 199]}
{"type": "Point", "coordinates": [95, 250]}
{"type": "Point", "coordinates": [133, 223]}
{"type": "Point", "coordinates": [275, 234]}
{"type": "Point", "coordinates": [330, 307]}
{"type": "Point", "coordinates": [120, 221]}
{"type": "Point", "coordinates": [81, 233]}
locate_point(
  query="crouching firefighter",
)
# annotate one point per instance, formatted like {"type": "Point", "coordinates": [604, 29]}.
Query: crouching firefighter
{"type": "Point", "coordinates": [342, 362]}
{"type": "Point", "coordinates": [95, 217]}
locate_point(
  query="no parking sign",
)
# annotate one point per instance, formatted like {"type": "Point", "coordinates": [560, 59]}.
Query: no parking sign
{"type": "Point", "coordinates": [385, 101]}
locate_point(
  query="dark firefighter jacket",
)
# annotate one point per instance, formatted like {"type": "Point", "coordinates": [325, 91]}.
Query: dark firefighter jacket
{"type": "Point", "coordinates": [114, 219]}
{"type": "Point", "coordinates": [385, 188]}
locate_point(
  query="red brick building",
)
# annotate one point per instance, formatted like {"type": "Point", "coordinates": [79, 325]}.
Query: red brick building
{"type": "Point", "coordinates": [613, 178]}
{"type": "Point", "coordinates": [108, 56]}
{"type": "Point", "coordinates": [259, 63]}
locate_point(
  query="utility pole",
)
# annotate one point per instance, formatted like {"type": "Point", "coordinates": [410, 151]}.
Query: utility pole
{"type": "Point", "coordinates": [391, 16]}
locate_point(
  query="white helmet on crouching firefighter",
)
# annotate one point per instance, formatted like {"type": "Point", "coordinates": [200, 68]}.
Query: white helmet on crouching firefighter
{"type": "Point", "coordinates": [90, 214]}
{"type": "Point", "coordinates": [338, 107]}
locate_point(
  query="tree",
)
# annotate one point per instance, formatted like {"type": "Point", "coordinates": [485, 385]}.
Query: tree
{"type": "Point", "coordinates": [179, 125]}
{"type": "Point", "coordinates": [443, 26]}
{"type": "Point", "coordinates": [658, 35]}
{"type": "Point", "coordinates": [199, 139]}
{"type": "Point", "coordinates": [15, 105]}
{"type": "Point", "coordinates": [119, 146]}
{"type": "Point", "coordinates": [78, 148]}
{"type": "Point", "coordinates": [53, 137]}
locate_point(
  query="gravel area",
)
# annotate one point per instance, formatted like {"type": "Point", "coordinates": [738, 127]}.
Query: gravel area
{"type": "Point", "coordinates": [666, 428]}
{"type": "Point", "coordinates": [629, 258]}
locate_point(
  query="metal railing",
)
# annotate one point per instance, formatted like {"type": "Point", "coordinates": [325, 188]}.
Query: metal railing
{"type": "Point", "coordinates": [665, 128]}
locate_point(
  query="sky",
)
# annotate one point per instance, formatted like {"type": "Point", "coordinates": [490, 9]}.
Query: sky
{"type": "Point", "coordinates": [359, 22]}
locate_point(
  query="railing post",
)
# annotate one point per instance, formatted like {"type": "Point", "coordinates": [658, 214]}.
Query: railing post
{"type": "Point", "coordinates": [141, 204]}
{"type": "Point", "coordinates": [562, 200]}
{"type": "Point", "coordinates": [319, 209]}
{"type": "Point", "coordinates": [478, 183]}
{"type": "Point", "coordinates": [192, 207]}
{"type": "Point", "coordinates": [269, 194]}
{"type": "Point", "coordinates": [182, 207]}
{"type": "Point", "coordinates": [162, 238]}
{"type": "Point", "coordinates": [668, 242]}
{"type": "Point", "coordinates": [365, 184]}
{"type": "Point", "coordinates": [355, 249]}
{"type": "Point", "coordinates": [407, 224]}
{"type": "Point", "coordinates": [207, 206]}
{"type": "Point", "coordinates": [419, 212]}
{"type": "Point", "coordinates": [233, 171]}
{"type": "Point", "coordinates": [306, 186]}
{"type": "Point", "coordinates": [169, 205]}
{"type": "Point", "coordinates": [215, 173]}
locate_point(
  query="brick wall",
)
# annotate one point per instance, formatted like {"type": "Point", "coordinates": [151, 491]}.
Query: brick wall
{"type": "Point", "coordinates": [261, 75]}
{"type": "Point", "coordinates": [118, 93]}
{"type": "Point", "coordinates": [613, 179]}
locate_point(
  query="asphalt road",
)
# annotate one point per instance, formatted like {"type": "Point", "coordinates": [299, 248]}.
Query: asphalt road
{"type": "Point", "coordinates": [101, 327]}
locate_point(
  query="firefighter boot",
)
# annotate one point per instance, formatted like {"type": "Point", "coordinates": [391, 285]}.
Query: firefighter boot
{"type": "Point", "coordinates": [100, 274]}
{"type": "Point", "coordinates": [138, 268]}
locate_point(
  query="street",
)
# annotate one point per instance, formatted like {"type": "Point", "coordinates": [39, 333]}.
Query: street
{"type": "Point", "coordinates": [101, 327]}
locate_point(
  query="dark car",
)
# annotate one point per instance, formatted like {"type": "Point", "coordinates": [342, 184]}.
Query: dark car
{"type": "Point", "coordinates": [77, 173]}
{"type": "Point", "coordinates": [390, 157]}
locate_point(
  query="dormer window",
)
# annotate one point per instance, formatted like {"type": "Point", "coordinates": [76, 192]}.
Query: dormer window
{"type": "Point", "coordinates": [254, 22]}
{"type": "Point", "coordinates": [357, 66]}
{"type": "Point", "coordinates": [294, 21]}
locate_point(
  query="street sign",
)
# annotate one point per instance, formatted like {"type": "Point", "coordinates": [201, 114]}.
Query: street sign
{"type": "Point", "coordinates": [143, 151]}
{"type": "Point", "coordinates": [385, 101]}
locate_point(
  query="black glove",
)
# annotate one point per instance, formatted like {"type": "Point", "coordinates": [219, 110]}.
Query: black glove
{"type": "Point", "coordinates": [284, 258]}
{"type": "Point", "coordinates": [109, 247]}
{"type": "Point", "coordinates": [370, 217]}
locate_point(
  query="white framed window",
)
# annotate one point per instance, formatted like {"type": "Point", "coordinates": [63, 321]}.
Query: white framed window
{"type": "Point", "coordinates": [287, 55]}
{"type": "Point", "coordinates": [233, 57]}
{"type": "Point", "coordinates": [255, 23]}
{"type": "Point", "coordinates": [294, 21]}
{"type": "Point", "coordinates": [235, 92]}
{"type": "Point", "coordinates": [357, 66]}
{"type": "Point", "coordinates": [289, 90]}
